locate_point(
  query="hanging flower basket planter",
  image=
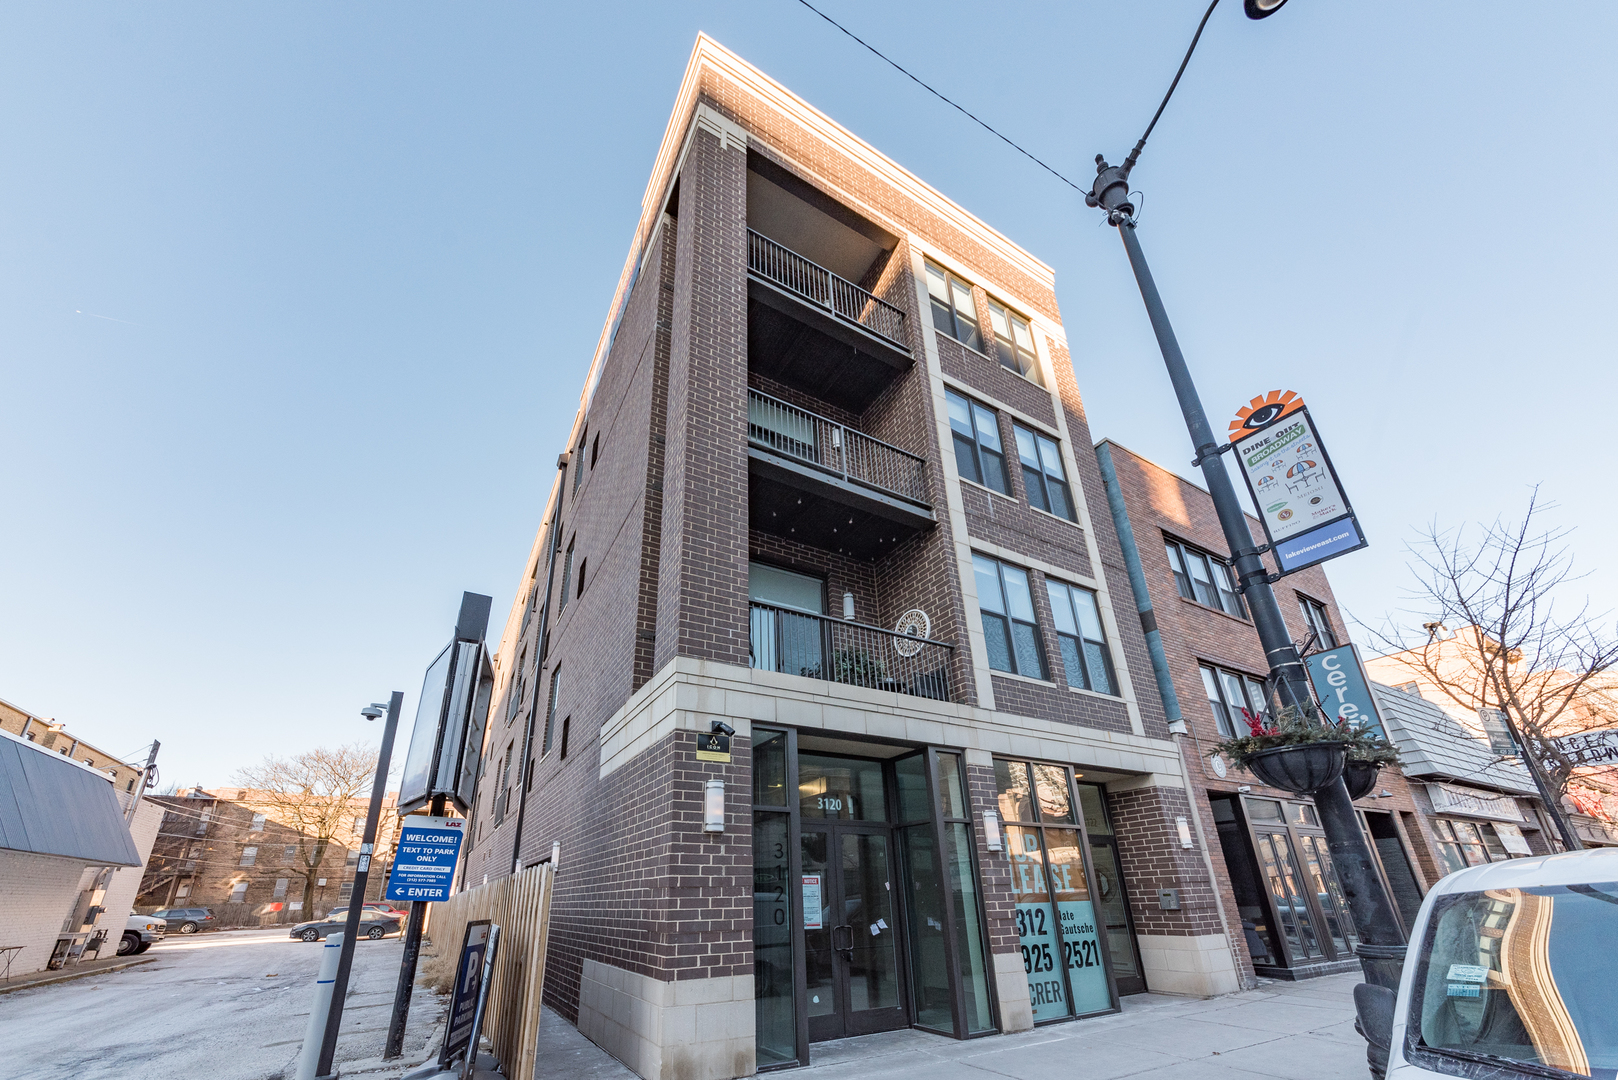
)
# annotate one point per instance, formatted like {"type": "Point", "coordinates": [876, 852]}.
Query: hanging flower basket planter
{"type": "Point", "coordinates": [1301, 752]}
{"type": "Point", "coordinates": [1360, 776]}
{"type": "Point", "coordinates": [1301, 768]}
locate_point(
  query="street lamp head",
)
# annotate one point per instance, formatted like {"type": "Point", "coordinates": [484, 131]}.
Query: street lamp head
{"type": "Point", "coordinates": [374, 711]}
{"type": "Point", "coordinates": [1261, 9]}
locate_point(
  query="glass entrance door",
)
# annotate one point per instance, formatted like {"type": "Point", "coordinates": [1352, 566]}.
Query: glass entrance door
{"type": "Point", "coordinates": [850, 932]}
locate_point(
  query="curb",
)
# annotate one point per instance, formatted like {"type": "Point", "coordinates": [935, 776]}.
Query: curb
{"type": "Point", "coordinates": [64, 976]}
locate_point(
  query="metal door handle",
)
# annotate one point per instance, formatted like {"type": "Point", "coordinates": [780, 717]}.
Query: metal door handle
{"type": "Point", "coordinates": [848, 949]}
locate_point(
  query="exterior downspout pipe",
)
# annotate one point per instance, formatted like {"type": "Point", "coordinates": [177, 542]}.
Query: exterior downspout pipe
{"type": "Point", "coordinates": [553, 541]}
{"type": "Point", "coordinates": [1137, 585]}
{"type": "Point", "coordinates": [1160, 669]}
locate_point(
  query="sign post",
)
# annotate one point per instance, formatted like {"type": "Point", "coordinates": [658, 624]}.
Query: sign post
{"type": "Point", "coordinates": [1307, 518]}
{"type": "Point", "coordinates": [424, 864]}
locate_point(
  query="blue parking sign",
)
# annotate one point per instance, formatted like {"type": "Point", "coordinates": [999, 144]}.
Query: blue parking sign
{"type": "Point", "coordinates": [424, 864]}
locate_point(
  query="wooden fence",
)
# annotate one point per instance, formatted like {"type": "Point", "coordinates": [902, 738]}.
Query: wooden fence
{"type": "Point", "coordinates": [521, 906]}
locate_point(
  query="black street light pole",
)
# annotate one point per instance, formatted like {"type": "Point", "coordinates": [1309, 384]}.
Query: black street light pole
{"type": "Point", "coordinates": [1381, 949]}
{"type": "Point", "coordinates": [356, 899]}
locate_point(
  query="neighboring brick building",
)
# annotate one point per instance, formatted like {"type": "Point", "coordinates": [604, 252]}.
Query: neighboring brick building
{"type": "Point", "coordinates": [50, 735]}
{"type": "Point", "coordinates": [1261, 839]}
{"type": "Point", "coordinates": [224, 849]}
{"type": "Point", "coordinates": [833, 413]}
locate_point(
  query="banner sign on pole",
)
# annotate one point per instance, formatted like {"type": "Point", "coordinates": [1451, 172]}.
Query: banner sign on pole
{"type": "Point", "coordinates": [1589, 747]}
{"type": "Point", "coordinates": [424, 863]}
{"type": "Point", "coordinates": [1307, 518]}
{"type": "Point", "coordinates": [468, 988]}
{"type": "Point", "coordinates": [1343, 690]}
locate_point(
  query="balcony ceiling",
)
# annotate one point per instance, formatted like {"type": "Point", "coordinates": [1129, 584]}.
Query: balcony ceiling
{"type": "Point", "coordinates": [793, 501]}
{"type": "Point", "coordinates": [793, 342]}
{"type": "Point", "coordinates": [792, 212]}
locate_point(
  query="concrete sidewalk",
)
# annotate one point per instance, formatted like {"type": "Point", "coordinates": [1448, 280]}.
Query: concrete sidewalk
{"type": "Point", "coordinates": [1290, 1031]}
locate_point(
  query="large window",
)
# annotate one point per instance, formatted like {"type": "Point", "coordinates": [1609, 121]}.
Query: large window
{"type": "Point", "coordinates": [1316, 619]}
{"type": "Point", "coordinates": [1472, 843]}
{"type": "Point", "coordinates": [567, 577]}
{"type": "Point", "coordinates": [249, 856]}
{"type": "Point", "coordinates": [238, 893]}
{"type": "Point", "coordinates": [550, 711]}
{"type": "Point", "coordinates": [1013, 342]}
{"type": "Point", "coordinates": [954, 311]}
{"type": "Point", "coordinates": [1009, 631]}
{"type": "Point", "coordinates": [1055, 916]}
{"type": "Point", "coordinates": [979, 455]}
{"type": "Point", "coordinates": [1043, 474]}
{"type": "Point", "coordinates": [1203, 578]}
{"type": "Point", "coordinates": [1079, 636]}
{"type": "Point", "coordinates": [1231, 695]}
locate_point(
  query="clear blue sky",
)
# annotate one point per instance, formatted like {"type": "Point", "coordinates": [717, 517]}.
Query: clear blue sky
{"type": "Point", "coordinates": [296, 299]}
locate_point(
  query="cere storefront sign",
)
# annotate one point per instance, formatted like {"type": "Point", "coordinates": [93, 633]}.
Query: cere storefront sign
{"type": "Point", "coordinates": [1306, 516]}
{"type": "Point", "coordinates": [1056, 919]}
{"type": "Point", "coordinates": [1343, 689]}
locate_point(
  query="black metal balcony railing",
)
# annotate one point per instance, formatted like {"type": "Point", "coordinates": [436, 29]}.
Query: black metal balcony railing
{"type": "Point", "coordinates": [853, 455]}
{"type": "Point", "coordinates": [818, 647]}
{"type": "Point", "coordinates": [815, 283]}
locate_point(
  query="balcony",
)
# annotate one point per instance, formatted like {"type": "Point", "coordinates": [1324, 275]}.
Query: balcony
{"type": "Point", "coordinates": [813, 330]}
{"type": "Point", "coordinates": [818, 647]}
{"type": "Point", "coordinates": [825, 484]}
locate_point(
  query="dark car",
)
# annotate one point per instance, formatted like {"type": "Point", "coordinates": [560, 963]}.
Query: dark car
{"type": "Point", "coordinates": [186, 920]}
{"type": "Point", "coordinates": [372, 925]}
{"type": "Point", "coordinates": [373, 908]}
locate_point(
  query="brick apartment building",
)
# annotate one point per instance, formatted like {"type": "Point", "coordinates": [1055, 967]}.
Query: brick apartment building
{"type": "Point", "coordinates": [226, 850]}
{"type": "Point", "coordinates": [50, 735]}
{"type": "Point", "coordinates": [831, 486]}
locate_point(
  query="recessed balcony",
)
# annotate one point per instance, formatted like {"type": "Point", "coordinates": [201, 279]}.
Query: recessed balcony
{"type": "Point", "coordinates": [843, 651]}
{"type": "Point", "coordinates": [822, 483]}
{"type": "Point", "coordinates": [820, 333]}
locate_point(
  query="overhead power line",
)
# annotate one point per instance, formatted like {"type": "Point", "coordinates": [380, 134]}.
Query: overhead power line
{"type": "Point", "coordinates": [912, 77]}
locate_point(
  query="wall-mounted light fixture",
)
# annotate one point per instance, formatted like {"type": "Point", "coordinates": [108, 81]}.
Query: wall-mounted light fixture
{"type": "Point", "coordinates": [991, 830]}
{"type": "Point", "coordinates": [713, 806]}
{"type": "Point", "coordinates": [1183, 827]}
{"type": "Point", "coordinates": [848, 606]}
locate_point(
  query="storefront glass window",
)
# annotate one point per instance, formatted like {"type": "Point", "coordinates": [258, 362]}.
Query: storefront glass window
{"type": "Point", "coordinates": [837, 788]}
{"type": "Point", "coordinates": [774, 1013]}
{"type": "Point", "coordinates": [929, 959]}
{"type": "Point", "coordinates": [950, 797]}
{"type": "Point", "coordinates": [1056, 920]}
{"type": "Point", "coordinates": [770, 769]}
{"type": "Point", "coordinates": [969, 951]}
{"type": "Point", "coordinates": [911, 772]}
{"type": "Point", "coordinates": [1112, 908]}
{"type": "Point", "coordinates": [1317, 862]}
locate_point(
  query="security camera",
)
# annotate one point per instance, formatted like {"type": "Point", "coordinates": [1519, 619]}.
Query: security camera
{"type": "Point", "coordinates": [374, 711]}
{"type": "Point", "coordinates": [721, 728]}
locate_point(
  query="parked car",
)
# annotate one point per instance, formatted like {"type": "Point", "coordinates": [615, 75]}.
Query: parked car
{"type": "Point", "coordinates": [1506, 975]}
{"type": "Point", "coordinates": [381, 907]}
{"type": "Point", "coordinates": [141, 932]}
{"type": "Point", "coordinates": [187, 920]}
{"type": "Point", "coordinates": [372, 925]}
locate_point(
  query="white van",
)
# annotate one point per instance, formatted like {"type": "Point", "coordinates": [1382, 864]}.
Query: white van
{"type": "Point", "coordinates": [1512, 971]}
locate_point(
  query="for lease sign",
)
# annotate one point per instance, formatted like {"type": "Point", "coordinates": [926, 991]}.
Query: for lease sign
{"type": "Point", "coordinates": [424, 866]}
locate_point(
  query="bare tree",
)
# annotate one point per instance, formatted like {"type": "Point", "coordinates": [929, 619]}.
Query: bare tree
{"type": "Point", "coordinates": [1548, 670]}
{"type": "Point", "coordinates": [314, 794]}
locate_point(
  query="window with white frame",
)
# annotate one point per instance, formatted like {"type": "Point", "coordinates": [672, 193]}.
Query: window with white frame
{"type": "Point", "coordinates": [258, 823]}
{"type": "Point", "coordinates": [249, 856]}
{"type": "Point", "coordinates": [1080, 637]}
{"type": "Point", "coordinates": [550, 711]}
{"type": "Point", "coordinates": [979, 455]}
{"type": "Point", "coordinates": [567, 578]}
{"type": "Point", "coordinates": [1316, 619]}
{"type": "Point", "coordinates": [955, 313]}
{"type": "Point", "coordinates": [289, 852]}
{"type": "Point", "coordinates": [280, 889]}
{"type": "Point", "coordinates": [1231, 695]}
{"type": "Point", "coordinates": [1010, 632]}
{"type": "Point", "coordinates": [345, 891]}
{"type": "Point", "coordinates": [1043, 475]}
{"type": "Point", "coordinates": [238, 892]}
{"type": "Point", "coordinates": [1204, 578]}
{"type": "Point", "coordinates": [1014, 343]}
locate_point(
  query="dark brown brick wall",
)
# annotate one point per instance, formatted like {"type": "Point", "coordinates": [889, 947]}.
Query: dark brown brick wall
{"type": "Point", "coordinates": [1144, 820]}
{"type": "Point", "coordinates": [702, 588]}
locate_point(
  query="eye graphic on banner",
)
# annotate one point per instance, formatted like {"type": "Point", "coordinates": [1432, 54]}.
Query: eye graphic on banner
{"type": "Point", "coordinates": [1307, 518]}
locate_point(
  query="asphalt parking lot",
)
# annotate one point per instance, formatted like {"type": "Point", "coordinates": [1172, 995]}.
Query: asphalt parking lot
{"type": "Point", "coordinates": [230, 1005]}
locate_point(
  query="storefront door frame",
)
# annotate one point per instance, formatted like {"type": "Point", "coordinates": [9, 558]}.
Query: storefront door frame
{"type": "Point", "coordinates": [1292, 832]}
